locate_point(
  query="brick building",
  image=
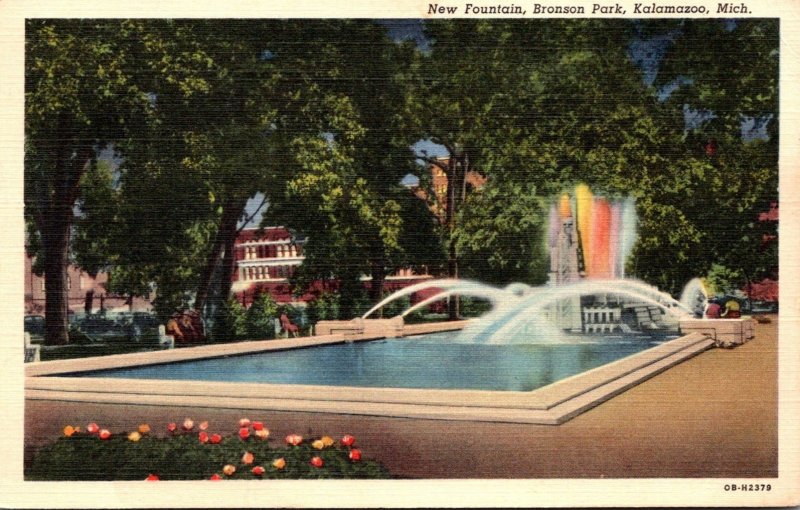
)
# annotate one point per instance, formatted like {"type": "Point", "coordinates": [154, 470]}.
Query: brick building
{"type": "Point", "coordinates": [267, 258]}
{"type": "Point", "coordinates": [82, 290]}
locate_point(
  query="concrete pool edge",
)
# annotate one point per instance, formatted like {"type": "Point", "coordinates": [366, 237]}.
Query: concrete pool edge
{"type": "Point", "coordinates": [550, 405]}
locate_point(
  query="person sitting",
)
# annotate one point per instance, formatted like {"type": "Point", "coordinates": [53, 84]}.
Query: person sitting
{"type": "Point", "coordinates": [287, 326]}
{"type": "Point", "coordinates": [713, 310]}
{"type": "Point", "coordinates": [174, 328]}
{"type": "Point", "coordinates": [732, 310]}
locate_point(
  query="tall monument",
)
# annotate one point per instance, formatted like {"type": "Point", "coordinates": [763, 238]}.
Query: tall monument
{"type": "Point", "coordinates": [566, 263]}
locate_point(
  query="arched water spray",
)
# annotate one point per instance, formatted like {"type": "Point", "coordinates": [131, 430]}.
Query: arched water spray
{"type": "Point", "coordinates": [490, 294]}
{"type": "Point", "coordinates": [444, 284]}
{"type": "Point", "coordinates": [695, 297]}
{"type": "Point", "coordinates": [502, 328]}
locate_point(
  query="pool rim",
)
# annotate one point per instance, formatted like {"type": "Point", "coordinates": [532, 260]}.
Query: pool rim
{"type": "Point", "coordinates": [551, 404]}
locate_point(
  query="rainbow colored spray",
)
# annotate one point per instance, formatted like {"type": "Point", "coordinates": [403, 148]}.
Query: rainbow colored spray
{"type": "Point", "coordinates": [606, 229]}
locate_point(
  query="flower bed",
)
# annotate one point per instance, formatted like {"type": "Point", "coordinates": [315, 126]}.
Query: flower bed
{"type": "Point", "coordinates": [192, 451]}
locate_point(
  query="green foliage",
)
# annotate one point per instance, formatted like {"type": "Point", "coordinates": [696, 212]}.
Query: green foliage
{"type": "Point", "coordinates": [500, 234]}
{"type": "Point", "coordinates": [232, 323]}
{"type": "Point", "coordinates": [260, 318]}
{"type": "Point", "coordinates": [85, 457]}
{"type": "Point", "coordinates": [396, 307]}
{"type": "Point", "coordinates": [325, 307]}
{"type": "Point", "coordinates": [723, 280]}
{"type": "Point", "coordinates": [474, 307]}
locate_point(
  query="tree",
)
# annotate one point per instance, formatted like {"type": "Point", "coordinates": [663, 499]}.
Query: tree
{"type": "Point", "coordinates": [733, 144]}
{"type": "Point", "coordinates": [81, 95]}
{"type": "Point", "coordinates": [549, 105]}
{"type": "Point", "coordinates": [345, 193]}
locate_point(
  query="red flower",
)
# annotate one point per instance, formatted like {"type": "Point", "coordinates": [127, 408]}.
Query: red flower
{"type": "Point", "coordinates": [294, 439]}
{"type": "Point", "coordinates": [258, 470]}
{"type": "Point", "coordinates": [244, 432]}
{"type": "Point", "coordinates": [104, 434]}
{"type": "Point", "coordinates": [257, 425]}
{"type": "Point", "coordinates": [172, 427]}
{"type": "Point", "coordinates": [203, 437]}
{"type": "Point", "coordinates": [244, 422]}
{"type": "Point", "coordinates": [317, 462]}
{"type": "Point", "coordinates": [215, 477]}
{"type": "Point", "coordinates": [92, 428]}
{"type": "Point", "coordinates": [355, 455]}
{"type": "Point", "coordinates": [215, 438]}
{"type": "Point", "coordinates": [151, 478]}
{"type": "Point", "coordinates": [348, 440]}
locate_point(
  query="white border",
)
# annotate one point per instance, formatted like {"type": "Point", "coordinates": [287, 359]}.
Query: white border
{"type": "Point", "coordinates": [485, 493]}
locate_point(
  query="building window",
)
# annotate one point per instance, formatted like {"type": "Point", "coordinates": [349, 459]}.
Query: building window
{"type": "Point", "coordinates": [43, 286]}
{"type": "Point", "coordinates": [292, 251]}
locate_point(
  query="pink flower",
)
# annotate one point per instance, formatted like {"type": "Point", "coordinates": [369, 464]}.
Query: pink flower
{"type": "Point", "coordinates": [244, 432]}
{"type": "Point", "coordinates": [244, 422]}
{"type": "Point", "coordinates": [257, 425]}
{"type": "Point", "coordinates": [355, 455]}
{"type": "Point", "coordinates": [229, 469]}
{"type": "Point", "coordinates": [317, 462]}
{"type": "Point", "coordinates": [104, 434]}
{"type": "Point", "coordinates": [258, 470]}
{"type": "Point", "coordinates": [203, 437]}
{"type": "Point", "coordinates": [151, 478]}
{"type": "Point", "coordinates": [262, 434]}
{"type": "Point", "coordinates": [294, 439]}
{"type": "Point", "coordinates": [172, 427]}
{"type": "Point", "coordinates": [188, 424]}
{"type": "Point", "coordinates": [215, 438]}
{"type": "Point", "coordinates": [348, 440]}
{"type": "Point", "coordinates": [92, 428]}
{"type": "Point", "coordinates": [248, 458]}
{"type": "Point", "coordinates": [203, 425]}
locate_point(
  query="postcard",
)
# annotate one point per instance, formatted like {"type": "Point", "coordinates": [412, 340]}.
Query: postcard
{"type": "Point", "coordinates": [432, 254]}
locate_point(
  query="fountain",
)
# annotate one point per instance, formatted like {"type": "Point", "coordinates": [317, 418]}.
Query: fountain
{"type": "Point", "coordinates": [589, 239]}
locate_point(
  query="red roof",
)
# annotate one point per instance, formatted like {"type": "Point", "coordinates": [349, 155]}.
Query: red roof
{"type": "Point", "coordinates": [263, 234]}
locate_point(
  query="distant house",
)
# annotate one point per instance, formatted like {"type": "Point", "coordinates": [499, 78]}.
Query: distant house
{"type": "Point", "coordinates": [83, 291]}
{"type": "Point", "coordinates": [266, 258]}
{"type": "Point", "coordinates": [439, 183]}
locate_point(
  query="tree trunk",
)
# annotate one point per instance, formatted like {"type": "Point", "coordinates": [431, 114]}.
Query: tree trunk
{"type": "Point", "coordinates": [378, 280]}
{"type": "Point", "coordinates": [56, 324]}
{"type": "Point", "coordinates": [455, 185]}
{"type": "Point", "coordinates": [219, 275]}
{"type": "Point", "coordinates": [54, 225]}
{"type": "Point", "coordinates": [226, 233]}
{"type": "Point", "coordinates": [229, 232]}
{"type": "Point", "coordinates": [88, 301]}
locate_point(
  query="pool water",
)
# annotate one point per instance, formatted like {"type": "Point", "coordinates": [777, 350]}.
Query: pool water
{"type": "Point", "coordinates": [431, 361]}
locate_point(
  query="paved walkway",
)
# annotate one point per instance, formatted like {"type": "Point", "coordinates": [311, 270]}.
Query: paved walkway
{"type": "Point", "coordinates": [712, 416]}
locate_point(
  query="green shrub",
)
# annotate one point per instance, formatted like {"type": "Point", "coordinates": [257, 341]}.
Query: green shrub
{"type": "Point", "coordinates": [325, 307]}
{"type": "Point", "coordinates": [84, 456]}
{"type": "Point", "coordinates": [474, 307]}
{"type": "Point", "coordinates": [396, 307]}
{"type": "Point", "coordinates": [260, 318]}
